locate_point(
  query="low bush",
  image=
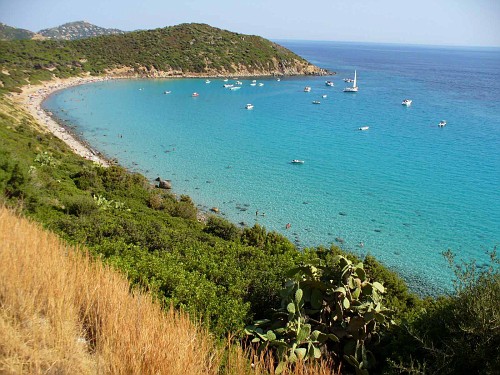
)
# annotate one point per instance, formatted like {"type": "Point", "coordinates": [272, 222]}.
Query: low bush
{"type": "Point", "coordinates": [80, 205]}
{"type": "Point", "coordinates": [222, 228]}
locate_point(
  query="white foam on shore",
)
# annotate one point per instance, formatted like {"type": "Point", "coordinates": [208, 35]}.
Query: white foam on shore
{"type": "Point", "coordinates": [31, 99]}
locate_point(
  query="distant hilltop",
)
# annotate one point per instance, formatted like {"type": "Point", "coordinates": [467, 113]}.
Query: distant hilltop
{"type": "Point", "coordinates": [186, 50]}
{"type": "Point", "coordinates": [68, 31]}
{"type": "Point", "coordinates": [13, 33]}
{"type": "Point", "coordinates": [77, 30]}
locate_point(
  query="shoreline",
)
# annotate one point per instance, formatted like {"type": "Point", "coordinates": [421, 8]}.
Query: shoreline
{"type": "Point", "coordinates": [32, 96]}
{"type": "Point", "coordinates": [31, 99]}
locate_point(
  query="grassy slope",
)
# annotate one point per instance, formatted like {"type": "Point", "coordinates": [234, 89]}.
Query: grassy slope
{"type": "Point", "coordinates": [64, 313]}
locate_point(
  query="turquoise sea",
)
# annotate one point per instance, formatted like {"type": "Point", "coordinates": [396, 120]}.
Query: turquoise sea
{"type": "Point", "coordinates": [404, 191]}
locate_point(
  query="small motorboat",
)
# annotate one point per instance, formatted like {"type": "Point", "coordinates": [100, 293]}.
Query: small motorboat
{"type": "Point", "coordinates": [239, 83]}
{"type": "Point", "coordinates": [324, 96]}
{"type": "Point", "coordinates": [442, 123]}
{"type": "Point", "coordinates": [235, 88]}
{"type": "Point", "coordinates": [406, 102]}
{"type": "Point", "coordinates": [261, 84]}
{"type": "Point", "coordinates": [307, 89]}
{"type": "Point", "coordinates": [254, 81]}
{"type": "Point", "coordinates": [225, 80]}
{"type": "Point", "coordinates": [226, 85]}
{"type": "Point", "coordinates": [329, 83]}
{"type": "Point", "coordinates": [297, 161]}
{"type": "Point", "coordinates": [207, 81]}
{"type": "Point", "coordinates": [278, 79]}
{"type": "Point", "coordinates": [316, 102]}
{"type": "Point", "coordinates": [195, 94]}
{"type": "Point", "coordinates": [253, 84]}
{"type": "Point", "coordinates": [249, 106]}
{"type": "Point", "coordinates": [167, 92]}
{"type": "Point", "coordinates": [364, 128]}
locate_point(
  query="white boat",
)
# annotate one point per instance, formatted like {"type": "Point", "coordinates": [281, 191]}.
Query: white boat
{"type": "Point", "coordinates": [307, 89]}
{"type": "Point", "coordinates": [167, 92]}
{"type": "Point", "coordinates": [195, 94]}
{"type": "Point", "coordinates": [329, 83]}
{"type": "Point", "coordinates": [442, 123]}
{"type": "Point", "coordinates": [324, 96]}
{"type": "Point", "coordinates": [364, 128]}
{"type": "Point", "coordinates": [316, 102]}
{"type": "Point", "coordinates": [297, 161]}
{"type": "Point", "coordinates": [254, 81]}
{"type": "Point", "coordinates": [278, 79]}
{"type": "Point", "coordinates": [207, 81]}
{"type": "Point", "coordinates": [226, 85]}
{"type": "Point", "coordinates": [354, 88]}
{"type": "Point", "coordinates": [253, 84]}
{"type": "Point", "coordinates": [261, 84]}
{"type": "Point", "coordinates": [225, 80]}
{"type": "Point", "coordinates": [406, 102]}
{"type": "Point", "coordinates": [235, 88]}
{"type": "Point", "coordinates": [239, 83]}
{"type": "Point", "coordinates": [249, 106]}
{"type": "Point", "coordinates": [348, 80]}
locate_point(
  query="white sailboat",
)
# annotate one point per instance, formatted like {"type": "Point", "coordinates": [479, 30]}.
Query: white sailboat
{"type": "Point", "coordinates": [354, 88]}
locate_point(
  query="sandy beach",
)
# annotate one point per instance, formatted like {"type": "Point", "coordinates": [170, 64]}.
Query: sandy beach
{"type": "Point", "coordinates": [31, 99]}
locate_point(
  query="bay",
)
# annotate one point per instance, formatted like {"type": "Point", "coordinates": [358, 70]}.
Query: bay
{"type": "Point", "coordinates": [404, 191]}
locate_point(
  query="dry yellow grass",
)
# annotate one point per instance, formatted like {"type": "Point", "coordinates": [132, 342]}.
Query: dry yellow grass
{"type": "Point", "coordinates": [63, 313]}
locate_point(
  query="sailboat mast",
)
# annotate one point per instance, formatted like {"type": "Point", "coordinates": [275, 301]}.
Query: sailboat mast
{"type": "Point", "coordinates": [354, 83]}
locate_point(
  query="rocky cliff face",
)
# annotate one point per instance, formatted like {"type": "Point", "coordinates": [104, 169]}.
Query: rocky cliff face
{"type": "Point", "coordinates": [237, 70]}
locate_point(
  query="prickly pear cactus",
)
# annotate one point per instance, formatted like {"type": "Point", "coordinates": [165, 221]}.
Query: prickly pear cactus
{"type": "Point", "coordinates": [330, 309]}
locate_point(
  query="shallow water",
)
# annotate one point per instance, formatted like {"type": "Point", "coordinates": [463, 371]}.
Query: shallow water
{"type": "Point", "coordinates": [404, 191]}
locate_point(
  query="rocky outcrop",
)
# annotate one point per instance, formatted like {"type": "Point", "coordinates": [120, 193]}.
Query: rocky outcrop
{"type": "Point", "coordinates": [163, 184]}
{"type": "Point", "coordinates": [77, 30]}
{"type": "Point", "coordinates": [296, 69]}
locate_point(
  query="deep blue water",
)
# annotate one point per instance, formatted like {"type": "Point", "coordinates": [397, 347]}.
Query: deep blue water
{"type": "Point", "coordinates": [405, 189]}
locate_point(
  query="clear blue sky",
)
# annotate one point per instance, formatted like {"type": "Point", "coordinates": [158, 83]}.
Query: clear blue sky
{"type": "Point", "coordinates": [440, 22]}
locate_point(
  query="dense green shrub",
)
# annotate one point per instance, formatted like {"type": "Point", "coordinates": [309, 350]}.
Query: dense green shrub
{"type": "Point", "coordinates": [222, 228]}
{"type": "Point", "coordinates": [87, 179]}
{"type": "Point", "coordinates": [80, 205]}
{"type": "Point", "coordinates": [455, 334]}
{"type": "Point", "coordinates": [15, 184]}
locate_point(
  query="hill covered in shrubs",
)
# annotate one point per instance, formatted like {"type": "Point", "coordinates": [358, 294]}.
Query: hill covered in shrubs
{"type": "Point", "coordinates": [176, 51]}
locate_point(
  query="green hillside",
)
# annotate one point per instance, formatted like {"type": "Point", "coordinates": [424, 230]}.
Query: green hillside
{"type": "Point", "coordinates": [182, 50]}
{"type": "Point", "coordinates": [13, 33]}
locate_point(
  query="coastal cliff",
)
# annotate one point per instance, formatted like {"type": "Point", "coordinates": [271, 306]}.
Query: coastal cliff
{"type": "Point", "coordinates": [186, 50]}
